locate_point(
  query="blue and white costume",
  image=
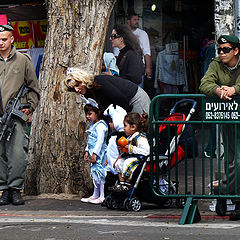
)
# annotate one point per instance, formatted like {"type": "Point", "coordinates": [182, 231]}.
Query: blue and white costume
{"type": "Point", "coordinates": [97, 144]}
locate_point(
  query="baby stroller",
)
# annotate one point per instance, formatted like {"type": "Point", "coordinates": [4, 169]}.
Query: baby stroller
{"type": "Point", "coordinates": [142, 190]}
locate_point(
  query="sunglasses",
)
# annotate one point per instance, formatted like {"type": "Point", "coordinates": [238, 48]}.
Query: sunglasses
{"type": "Point", "coordinates": [114, 36]}
{"type": "Point", "coordinates": [224, 50]}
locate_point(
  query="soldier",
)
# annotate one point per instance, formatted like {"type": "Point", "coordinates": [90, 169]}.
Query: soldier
{"type": "Point", "coordinates": [223, 79]}
{"type": "Point", "coordinates": [16, 69]}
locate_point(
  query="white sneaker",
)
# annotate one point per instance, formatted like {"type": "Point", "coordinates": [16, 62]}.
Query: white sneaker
{"type": "Point", "coordinates": [86, 200]}
{"type": "Point", "coordinates": [97, 201]}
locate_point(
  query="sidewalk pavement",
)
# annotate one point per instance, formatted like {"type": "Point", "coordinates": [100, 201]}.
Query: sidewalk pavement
{"type": "Point", "coordinates": [52, 206]}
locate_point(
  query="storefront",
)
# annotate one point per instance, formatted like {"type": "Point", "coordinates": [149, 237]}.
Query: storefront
{"type": "Point", "coordinates": [177, 30]}
{"type": "Point", "coordinates": [30, 27]}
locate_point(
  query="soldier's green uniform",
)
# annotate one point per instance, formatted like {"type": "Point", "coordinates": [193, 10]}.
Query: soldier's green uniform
{"type": "Point", "coordinates": [15, 70]}
{"type": "Point", "coordinates": [217, 75]}
{"type": "Point", "coordinates": [220, 74]}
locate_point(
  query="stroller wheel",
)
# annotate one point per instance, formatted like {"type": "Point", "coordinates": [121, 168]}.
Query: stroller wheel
{"type": "Point", "coordinates": [126, 204]}
{"type": "Point", "coordinates": [135, 204]}
{"type": "Point", "coordinates": [180, 202]}
{"type": "Point", "coordinates": [108, 202]}
{"type": "Point", "coordinates": [115, 203]}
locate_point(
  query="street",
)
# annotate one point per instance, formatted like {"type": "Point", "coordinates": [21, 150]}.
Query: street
{"type": "Point", "coordinates": [112, 227]}
{"type": "Point", "coordinates": [53, 219]}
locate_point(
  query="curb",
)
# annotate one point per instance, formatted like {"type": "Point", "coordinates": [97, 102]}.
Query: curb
{"type": "Point", "coordinates": [205, 217]}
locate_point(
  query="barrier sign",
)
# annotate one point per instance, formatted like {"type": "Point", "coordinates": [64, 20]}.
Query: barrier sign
{"type": "Point", "coordinates": [218, 109]}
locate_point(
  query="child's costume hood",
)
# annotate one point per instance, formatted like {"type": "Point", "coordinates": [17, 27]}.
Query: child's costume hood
{"type": "Point", "coordinates": [117, 114]}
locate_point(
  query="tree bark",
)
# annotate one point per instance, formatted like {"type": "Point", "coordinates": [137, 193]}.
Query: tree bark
{"type": "Point", "coordinates": [76, 35]}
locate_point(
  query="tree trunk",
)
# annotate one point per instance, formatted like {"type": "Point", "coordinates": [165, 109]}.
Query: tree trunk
{"type": "Point", "coordinates": [76, 35]}
{"type": "Point", "coordinates": [224, 17]}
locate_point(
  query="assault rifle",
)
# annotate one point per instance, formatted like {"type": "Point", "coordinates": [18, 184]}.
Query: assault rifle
{"type": "Point", "coordinates": [11, 112]}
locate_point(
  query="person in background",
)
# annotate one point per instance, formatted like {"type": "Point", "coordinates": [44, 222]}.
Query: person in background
{"type": "Point", "coordinates": [16, 69]}
{"type": "Point", "coordinates": [208, 53]}
{"type": "Point", "coordinates": [129, 60]}
{"type": "Point", "coordinates": [223, 79]}
{"type": "Point", "coordinates": [133, 22]}
{"type": "Point", "coordinates": [96, 150]}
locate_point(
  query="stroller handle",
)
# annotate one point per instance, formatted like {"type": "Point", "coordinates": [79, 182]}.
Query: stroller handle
{"type": "Point", "coordinates": [192, 101]}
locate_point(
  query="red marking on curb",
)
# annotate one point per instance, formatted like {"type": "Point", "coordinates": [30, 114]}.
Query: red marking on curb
{"type": "Point", "coordinates": [31, 215]}
{"type": "Point", "coordinates": [178, 217]}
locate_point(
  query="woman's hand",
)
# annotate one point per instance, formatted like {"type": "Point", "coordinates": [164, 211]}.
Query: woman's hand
{"type": "Point", "coordinates": [108, 73]}
{"type": "Point", "coordinates": [86, 156]}
{"type": "Point", "coordinates": [94, 158]}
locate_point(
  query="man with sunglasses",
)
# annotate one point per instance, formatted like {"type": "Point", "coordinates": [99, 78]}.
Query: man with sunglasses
{"type": "Point", "coordinates": [223, 79]}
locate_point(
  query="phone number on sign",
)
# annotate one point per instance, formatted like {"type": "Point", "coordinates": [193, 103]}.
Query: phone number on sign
{"type": "Point", "coordinates": [222, 115]}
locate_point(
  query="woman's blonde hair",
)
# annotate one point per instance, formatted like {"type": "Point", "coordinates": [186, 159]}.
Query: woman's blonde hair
{"type": "Point", "coordinates": [76, 75]}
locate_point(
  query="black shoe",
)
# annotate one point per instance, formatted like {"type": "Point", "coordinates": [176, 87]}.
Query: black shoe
{"type": "Point", "coordinates": [16, 197]}
{"type": "Point", "coordinates": [235, 214]}
{"type": "Point", "coordinates": [5, 198]}
{"type": "Point", "coordinates": [124, 188]}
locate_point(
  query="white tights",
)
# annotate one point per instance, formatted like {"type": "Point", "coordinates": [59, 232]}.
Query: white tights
{"type": "Point", "coordinates": [98, 191]}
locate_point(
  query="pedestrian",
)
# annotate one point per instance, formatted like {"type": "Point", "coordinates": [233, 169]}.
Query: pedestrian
{"type": "Point", "coordinates": [135, 128]}
{"type": "Point", "coordinates": [208, 52]}
{"type": "Point", "coordinates": [129, 60]}
{"type": "Point", "coordinates": [96, 150]}
{"type": "Point", "coordinates": [133, 22]}
{"type": "Point", "coordinates": [222, 79]}
{"type": "Point", "coordinates": [108, 90]}
{"type": "Point", "coordinates": [16, 69]}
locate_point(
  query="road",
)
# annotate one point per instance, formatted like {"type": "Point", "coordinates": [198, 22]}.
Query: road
{"type": "Point", "coordinates": [112, 227]}
{"type": "Point", "coordinates": [52, 219]}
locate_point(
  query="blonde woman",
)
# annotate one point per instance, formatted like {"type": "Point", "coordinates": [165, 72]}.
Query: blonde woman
{"type": "Point", "coordinates": [108, 90]}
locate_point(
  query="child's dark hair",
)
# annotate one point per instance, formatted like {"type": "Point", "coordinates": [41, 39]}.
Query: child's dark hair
{"type": "Point", "coordinates": [141, 121]}
{"type": "Point", "coordinates": [89, 107]}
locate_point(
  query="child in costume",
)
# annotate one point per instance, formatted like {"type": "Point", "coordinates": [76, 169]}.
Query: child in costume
{"type": "Point", "coordinates": [135, 127]}
{"type": "Point", "coordinates": [116, 116]}
{"type": "Point", "coordinates": [96, 150]}
{"type": "Point", "coordinates": [110, 63]}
